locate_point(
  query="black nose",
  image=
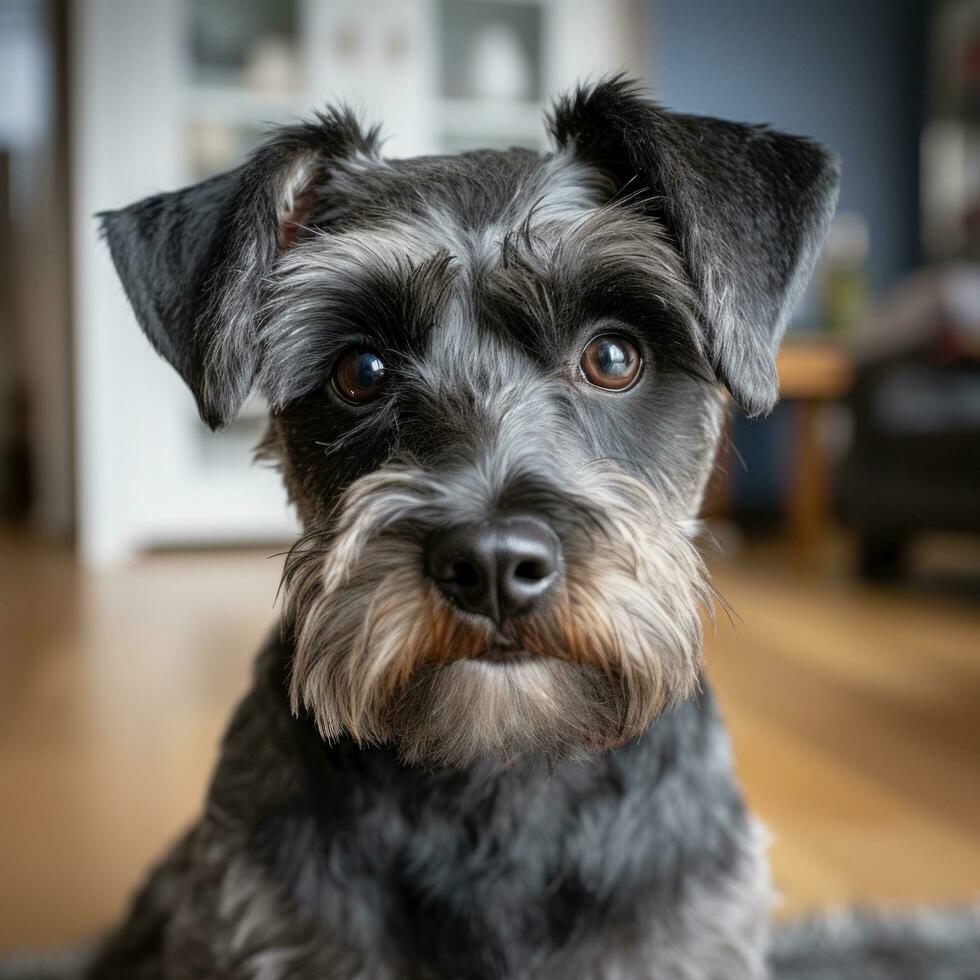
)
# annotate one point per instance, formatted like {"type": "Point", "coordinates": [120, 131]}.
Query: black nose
{"type": "Point", "coordinates": [498, 568]}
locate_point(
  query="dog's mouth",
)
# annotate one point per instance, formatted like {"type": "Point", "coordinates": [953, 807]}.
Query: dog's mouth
{"type": "Point", "coordinates": [503, 653]}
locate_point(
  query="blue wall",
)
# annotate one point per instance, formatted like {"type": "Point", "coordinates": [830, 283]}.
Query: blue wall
{"type": "Point", "coordinates": [848, 72]}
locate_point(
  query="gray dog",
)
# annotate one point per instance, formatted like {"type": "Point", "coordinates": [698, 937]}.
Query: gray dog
{"type": "Point", "coordinates": [482, 746]}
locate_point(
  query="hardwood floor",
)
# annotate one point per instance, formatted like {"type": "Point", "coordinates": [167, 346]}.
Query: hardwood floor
{"type": "Point", "coordinates": [856, 720]}
{"type": "Point", "coordinates": [855, 715]}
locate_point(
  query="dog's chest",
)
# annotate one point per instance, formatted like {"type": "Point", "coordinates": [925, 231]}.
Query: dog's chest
{"type": "Point", "coordinates": [520, 875]}
{"type": "Point", "coordinates": [467, 894]}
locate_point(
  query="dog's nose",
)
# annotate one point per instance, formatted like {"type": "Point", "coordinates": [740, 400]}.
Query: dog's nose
{"type": "Point", "coordinates": [497, 568]}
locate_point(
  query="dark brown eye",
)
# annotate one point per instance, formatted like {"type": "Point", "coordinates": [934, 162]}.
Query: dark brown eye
{"type": "Point", "coordinates": [611, 362]}
{"type": "Point", "coordinates": [359, 376]}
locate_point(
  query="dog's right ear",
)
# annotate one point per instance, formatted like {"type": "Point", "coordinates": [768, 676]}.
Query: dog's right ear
{"type": "Point", "coordinates": [194, 262]}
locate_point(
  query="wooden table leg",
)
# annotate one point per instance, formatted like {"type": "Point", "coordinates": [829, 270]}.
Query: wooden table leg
{"type": "Point", "coordinates": [809, 501]}
{"type": "Point", "coordinates": [717, 501]}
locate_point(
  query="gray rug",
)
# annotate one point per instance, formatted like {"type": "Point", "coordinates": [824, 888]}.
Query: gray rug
{"type": "Point", "coordinates": [64, 965]}
{"type": "Point", "coordinates": [927, 945]}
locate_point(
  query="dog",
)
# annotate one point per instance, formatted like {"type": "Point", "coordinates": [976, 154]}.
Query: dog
{"type": "Point", "coordinates": [481, 744]}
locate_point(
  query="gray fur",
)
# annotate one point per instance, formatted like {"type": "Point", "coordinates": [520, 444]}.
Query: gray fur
{"type": "Point", "coordinates": [390, 803]}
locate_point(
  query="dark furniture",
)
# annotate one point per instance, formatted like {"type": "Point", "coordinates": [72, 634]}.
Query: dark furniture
{"type": "Point", "coordinates": [915, 460]}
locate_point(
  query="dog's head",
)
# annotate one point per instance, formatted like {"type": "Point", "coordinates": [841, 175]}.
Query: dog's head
{"type": "Point", "coordinates": [494, 382]}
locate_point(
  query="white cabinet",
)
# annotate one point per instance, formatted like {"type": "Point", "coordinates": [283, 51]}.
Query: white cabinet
{"type": "Point", "coordinates": [167, 92]}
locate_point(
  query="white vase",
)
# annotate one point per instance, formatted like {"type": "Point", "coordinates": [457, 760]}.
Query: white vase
{"type": "Point", "coordinates": [499, 65]}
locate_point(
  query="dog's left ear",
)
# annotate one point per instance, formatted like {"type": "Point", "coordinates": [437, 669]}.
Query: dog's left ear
{"type": "Point", "coordinates": [195, 262]}
{"type": "Point", "coordinates": [748, 208]}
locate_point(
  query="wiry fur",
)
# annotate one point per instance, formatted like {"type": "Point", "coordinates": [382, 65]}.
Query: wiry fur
{"type": "Point", "coordinates": [378, 649]}
{"type": "Point", "coordinates": [381, 656]}
{"type": "Point", "coordinates": [391, 802]}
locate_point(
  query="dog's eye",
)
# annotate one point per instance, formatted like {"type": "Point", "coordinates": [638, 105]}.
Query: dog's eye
{"type": "Point", "coordinates": [611, 362]}
{"type": "Point", "coordinates": [359, 376]}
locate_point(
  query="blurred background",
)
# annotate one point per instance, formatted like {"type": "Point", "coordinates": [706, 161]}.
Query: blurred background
{"type": "Point", "coordinates": [138, 551]}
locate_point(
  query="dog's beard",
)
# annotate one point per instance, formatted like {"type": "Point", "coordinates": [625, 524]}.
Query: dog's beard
{"type": "Point", "coordinates": [381, 656]}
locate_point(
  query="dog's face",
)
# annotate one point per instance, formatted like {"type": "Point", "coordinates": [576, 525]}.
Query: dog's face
{"type": "Point", "coordinates": [496, 422]}
{"type": "Point", "coordinates": [495, 401]}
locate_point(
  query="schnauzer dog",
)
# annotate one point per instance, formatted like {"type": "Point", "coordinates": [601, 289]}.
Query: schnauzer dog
{"type": "Point", "coordinates": [481, 745]}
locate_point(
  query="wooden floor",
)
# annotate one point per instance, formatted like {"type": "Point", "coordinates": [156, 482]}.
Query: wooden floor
{"type": "Point", "coordinates": [855, 714]}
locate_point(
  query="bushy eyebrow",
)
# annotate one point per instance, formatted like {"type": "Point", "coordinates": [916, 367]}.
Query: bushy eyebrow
{"type": "Point", "coordinates": [537, 286]}
{"type": "Point", "coordinates": [373, 287]}
{"type": "Point", "coordinates": [614, 265]}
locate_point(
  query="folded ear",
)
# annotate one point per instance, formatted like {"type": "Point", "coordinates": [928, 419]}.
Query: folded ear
{"type": "Point", "coordinates": [748, 208]}
{"type": "Point", "coordinates": [194, 262]}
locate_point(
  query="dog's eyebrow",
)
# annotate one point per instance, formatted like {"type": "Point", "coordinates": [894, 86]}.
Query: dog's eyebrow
{"type": "Point", "coordinates": [377, 285]}
{"type": "Point", "coordinates": [614, 263]}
